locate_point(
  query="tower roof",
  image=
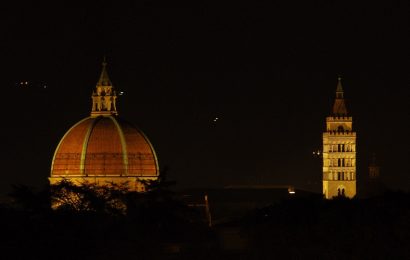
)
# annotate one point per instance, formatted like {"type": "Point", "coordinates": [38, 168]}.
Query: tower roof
{"type": "Point", "coordinates": [339, 107]}
{"type": "Point", "coordinates": [104, 79]}
{"type": "Point", "coordinates": [339, 88]}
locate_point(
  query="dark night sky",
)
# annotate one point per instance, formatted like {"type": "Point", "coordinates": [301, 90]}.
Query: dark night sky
{"type": "Point", "coordinates": [268, 72]}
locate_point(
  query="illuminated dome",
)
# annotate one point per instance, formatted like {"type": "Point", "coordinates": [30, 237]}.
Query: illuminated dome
{"type": "Point", "coordinates": [104, 148]}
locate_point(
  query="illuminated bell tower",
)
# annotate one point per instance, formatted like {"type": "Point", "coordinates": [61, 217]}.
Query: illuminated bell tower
{"type": "Point", "coordinates": [339, 151]}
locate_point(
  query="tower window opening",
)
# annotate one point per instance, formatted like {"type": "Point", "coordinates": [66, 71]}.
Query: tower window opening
{"type": "Point", "coordinates": [339, 162]}
{"type": "Point", "coordinates": [340, 129]}
{"type": "Point", "coordinates": [338, 176]}
{"type": "Point", "coordinates": [343, 192]}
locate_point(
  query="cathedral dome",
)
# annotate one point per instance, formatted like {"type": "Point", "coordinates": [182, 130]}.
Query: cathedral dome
{"type": "Point", "coordinates": [104, 148]}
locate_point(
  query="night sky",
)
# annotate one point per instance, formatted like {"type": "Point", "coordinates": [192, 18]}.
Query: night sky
{"type": "Point", "coordinates": [268, 72]}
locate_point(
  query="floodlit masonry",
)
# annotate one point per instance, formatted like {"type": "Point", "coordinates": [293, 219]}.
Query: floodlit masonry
{"type": "Point", "coordinates": [339, 151]}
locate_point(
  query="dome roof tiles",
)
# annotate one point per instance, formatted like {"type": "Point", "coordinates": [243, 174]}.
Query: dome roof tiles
{"type": "Point", "coordinates": [104, 146]}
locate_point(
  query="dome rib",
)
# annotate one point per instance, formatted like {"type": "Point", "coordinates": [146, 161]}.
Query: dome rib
{"type": "Point", "coordinates": [85, 145]}
{"type": "Point", "coordinates": [151, 147]}
{"type": "Point", "coordinates": [62, 139]}
{"type": "Point", "coordinates": [123, 144]}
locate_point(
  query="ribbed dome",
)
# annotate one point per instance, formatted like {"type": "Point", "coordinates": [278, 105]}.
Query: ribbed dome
{"type": "Point", "coordinates": [104, 149]}
{"type": "Point", "coordinates": [104, 146]}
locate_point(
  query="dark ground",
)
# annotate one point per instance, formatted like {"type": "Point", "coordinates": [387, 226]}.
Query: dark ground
{"type": "Point", "coordinates": [158, 226]}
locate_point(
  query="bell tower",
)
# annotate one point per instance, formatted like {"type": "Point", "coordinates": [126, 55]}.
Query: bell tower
{"type": "Point", "coordinates": [339, 151]}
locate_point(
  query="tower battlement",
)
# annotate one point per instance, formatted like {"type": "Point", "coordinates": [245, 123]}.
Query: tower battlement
{"type": "Point", "coordinates": [339, 118]}
{"type": "Point", "coordinates": [341, 133]}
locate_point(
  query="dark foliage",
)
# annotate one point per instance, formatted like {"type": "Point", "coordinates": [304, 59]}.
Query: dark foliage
{"type": "Point", "coordinates": [314, 228]}
{"type": "Point", "coordinates": [99, 222]}
{"type": "Point", "coordinates": [155, 225]}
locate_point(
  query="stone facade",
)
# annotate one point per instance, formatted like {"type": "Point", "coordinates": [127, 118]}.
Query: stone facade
{"type": "Point", "coordinates": [339, 151]}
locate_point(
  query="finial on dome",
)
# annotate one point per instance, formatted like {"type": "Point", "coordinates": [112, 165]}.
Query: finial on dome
{"type": "Point", "coordinates": [104, 79]}
{"type": "Point", "coordinates": [104, 98]}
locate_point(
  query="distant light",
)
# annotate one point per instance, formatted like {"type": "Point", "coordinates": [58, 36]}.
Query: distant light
{"type": "Point", "coordinates": [291, 192]}
{"type": "Point", "coordinates": [121, 93]}
{"type": "Point", "coordinates": [45, 86]}
{"type": "Point", "coordinates": [216, 119]}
